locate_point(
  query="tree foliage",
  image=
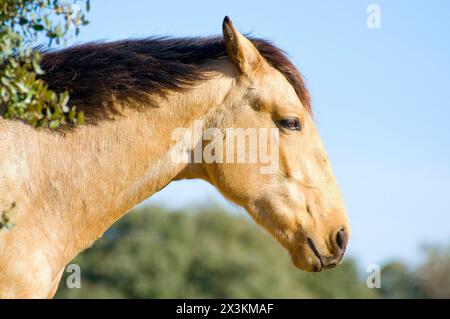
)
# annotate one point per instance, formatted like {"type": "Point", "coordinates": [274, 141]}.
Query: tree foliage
{"type": "Point", "coordinates": [152, 253]}
{"type": "Point", "coordinates": [5, 221]}
{"type": "Point", "coordinates": [434, 275]}
{"type": "Point", "coordinates": [23, 95]}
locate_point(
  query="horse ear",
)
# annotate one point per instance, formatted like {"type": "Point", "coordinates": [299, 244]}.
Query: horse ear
{"type": "Point", "coordinates": [239, 49]}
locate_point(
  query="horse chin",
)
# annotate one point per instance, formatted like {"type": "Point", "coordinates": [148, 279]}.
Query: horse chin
{"type": "Point", "coordinates": [307, 263]}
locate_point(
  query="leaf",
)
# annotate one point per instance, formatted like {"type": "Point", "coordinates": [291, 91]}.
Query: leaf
{"type": "Point", "coordinates": [37, 68]}
{"type": "Point", "coordinates": [23, 21]}
{"type": "Point", "coordinates": [54, 124]}
{"type": "Point", "coordinates": [80, 117]}
{"type": "Point", "coordinates": [38, 27]}
{"type": "Point", "coordinates": [64, 101]}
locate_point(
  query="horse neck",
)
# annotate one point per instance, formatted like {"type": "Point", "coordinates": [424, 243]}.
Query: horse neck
{"type": "Point", "coordinates": [85, 180]}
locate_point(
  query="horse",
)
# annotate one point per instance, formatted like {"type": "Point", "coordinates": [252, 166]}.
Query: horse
{"type": "Point", "coordinates": [68, 186]}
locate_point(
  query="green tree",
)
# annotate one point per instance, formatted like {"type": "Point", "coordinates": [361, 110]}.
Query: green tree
{"type": "Point", "coordinates": [434, 274]}
{"type": "Point", "coordinates": [152, 253]}
{"type": "Point", "coordinates": [398, 281]}
{"type": "Point", "coordinates": [430, 279]}
{"type": "Point", "coordinates": [23, 95]}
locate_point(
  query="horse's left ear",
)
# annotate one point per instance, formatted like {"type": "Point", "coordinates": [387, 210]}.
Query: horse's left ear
{"type": "Point", "coordinates": [239, 49]}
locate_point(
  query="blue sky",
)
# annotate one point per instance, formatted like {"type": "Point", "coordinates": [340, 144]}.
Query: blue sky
{"type": "Point", "coordinates": [381, 99]}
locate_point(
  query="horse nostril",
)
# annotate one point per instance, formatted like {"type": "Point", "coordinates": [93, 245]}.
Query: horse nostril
{"type": "Point", "coordinates": [341, 239]}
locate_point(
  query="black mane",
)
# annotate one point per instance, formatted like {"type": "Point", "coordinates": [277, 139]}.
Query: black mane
{"type": "Point", "coordinates": [95, 73]}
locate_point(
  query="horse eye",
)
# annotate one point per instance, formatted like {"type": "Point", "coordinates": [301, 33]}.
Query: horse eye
{"type": "Point", "coordinates": [291, 124]}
